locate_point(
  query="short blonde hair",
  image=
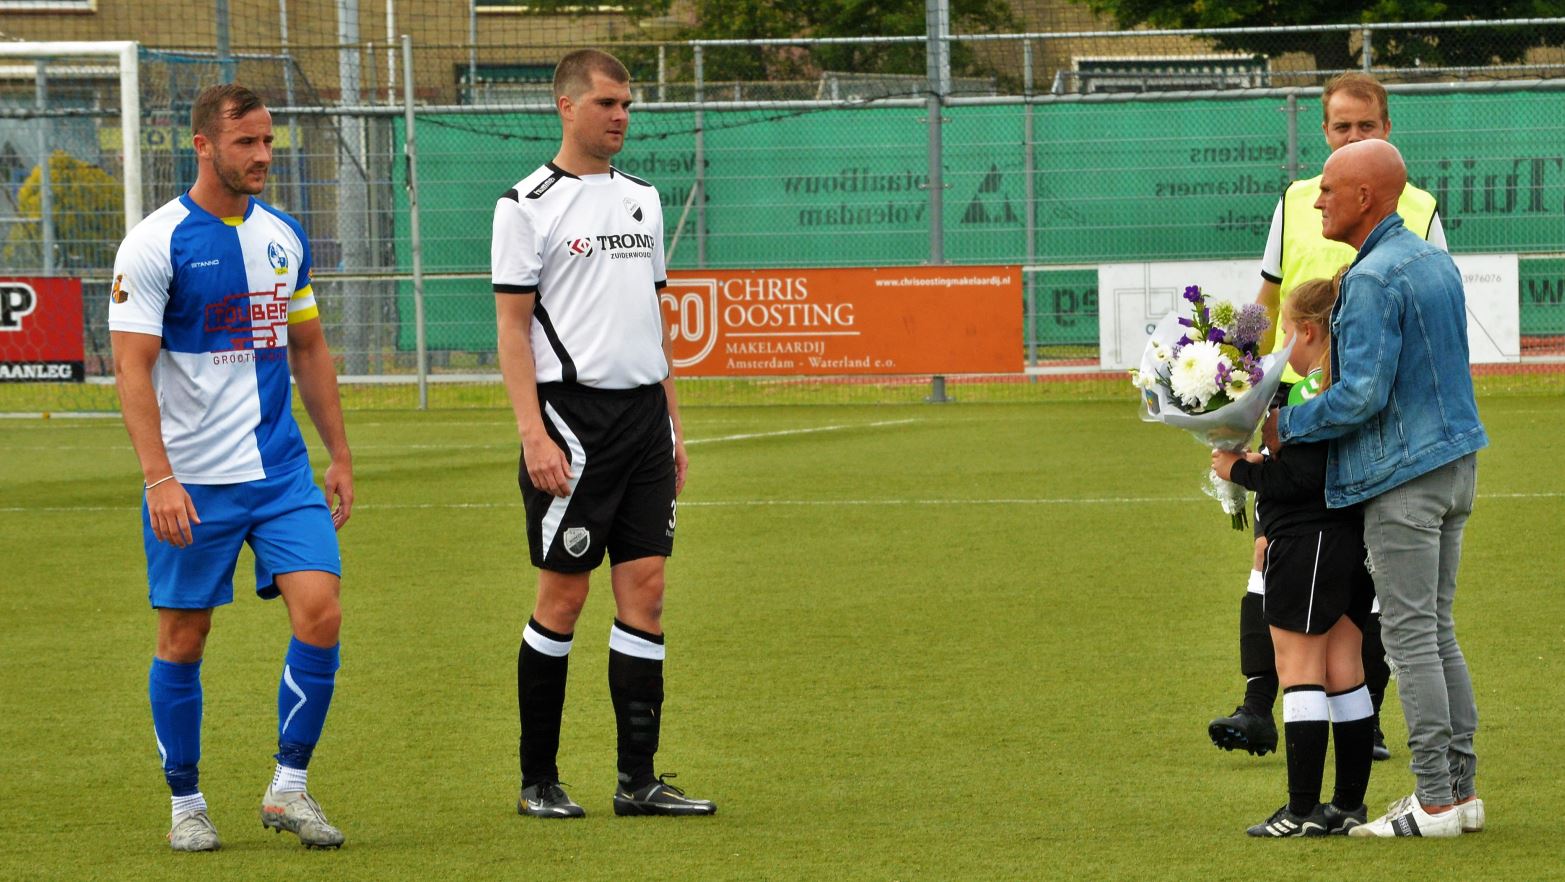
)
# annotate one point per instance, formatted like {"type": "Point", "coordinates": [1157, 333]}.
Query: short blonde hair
{"type": "Point", "coordinates": [1361, 86]}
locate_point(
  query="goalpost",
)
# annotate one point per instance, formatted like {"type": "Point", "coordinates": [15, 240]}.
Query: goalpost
{"type": "Point", "coordinates": [125, 54]}
{"type": "Point", "coordinates": [56, 240]}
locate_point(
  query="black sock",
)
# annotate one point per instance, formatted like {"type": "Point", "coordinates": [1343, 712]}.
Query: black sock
{"type": "Point", "coordinates": [541, 665]}
{"type": "Point", "coordinates": [1305, 728]}
{"type": "Point", "coordinates": [1376, 672]}
{"type": "Point", "coordinates": [1353, 736]}
{"type": "Point", "coordinates": [636, 687]}
{"type": "Point", "coordinates": [1256, 656]}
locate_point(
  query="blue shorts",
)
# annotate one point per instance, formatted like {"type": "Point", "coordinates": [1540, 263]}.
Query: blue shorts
{"type": "Point", "coordinates": [283, 517]}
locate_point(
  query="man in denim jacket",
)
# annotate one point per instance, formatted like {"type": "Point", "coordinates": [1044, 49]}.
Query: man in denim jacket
{"type": "Point", "coordinates": [1404, 429]}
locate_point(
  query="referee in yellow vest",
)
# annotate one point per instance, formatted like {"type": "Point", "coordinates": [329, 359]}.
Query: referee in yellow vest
{"type": "Point", "coordinates": [1354, 108]}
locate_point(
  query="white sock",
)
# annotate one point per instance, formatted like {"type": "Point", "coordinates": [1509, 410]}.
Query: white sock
{"type": "Point", "coordinates": [287, 780]}
{"type": "Point", "coordinates": [1256, 583]}
{"type": "Point", "coordinates": [195, 802]}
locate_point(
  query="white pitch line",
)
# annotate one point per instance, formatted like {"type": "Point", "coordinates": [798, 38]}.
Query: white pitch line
{"type": "Point", "coordinates": [507, 446]}
{"type": "Point", "coordinates": [763, 503]}
{"type": "Point", "coordinates": [806, 431]}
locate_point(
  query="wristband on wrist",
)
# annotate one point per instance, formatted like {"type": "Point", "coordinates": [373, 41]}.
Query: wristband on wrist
{"type": "Point", "coordinates": [146, 487]}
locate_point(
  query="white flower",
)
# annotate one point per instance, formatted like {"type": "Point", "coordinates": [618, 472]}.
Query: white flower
{"type": "Point", "coordinates": [1160, 353]}
{"type": "Point", "coordinates": [1193, 377]}
{"type": "Point", "coordinates": [1238, 385]}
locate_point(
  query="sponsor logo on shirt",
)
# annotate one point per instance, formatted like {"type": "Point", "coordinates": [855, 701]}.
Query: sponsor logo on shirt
{"type": "Point", "coordinates": [253, 320]}
{"type": "Point", "coordinates": [579, 247]}
{"type": "Point", "coordinates": [201, 263]}
{"type": "Point", "coordinates": [634, 208]}
{"type": "Point", "coordinates": [119, 294]}
{"type": "Point", "coordinates": [277, 257]}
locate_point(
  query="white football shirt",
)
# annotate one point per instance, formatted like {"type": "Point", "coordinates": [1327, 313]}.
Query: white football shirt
{"type": "Point", "coordinates": [591, 249]}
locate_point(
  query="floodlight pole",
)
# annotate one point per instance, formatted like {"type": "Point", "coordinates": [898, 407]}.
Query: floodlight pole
{"type": "Point", "coordinates": [353, 229]}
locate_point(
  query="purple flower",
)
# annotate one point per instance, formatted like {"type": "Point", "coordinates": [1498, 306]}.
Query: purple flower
{"type": "Point", "coordinates": [1249, 324]}
{"type": "Point", "coordinates": [1193, 294]}
{"type": "Point", "coordinates": [1215, 335]}
{"type": "Point", "coordinates": [1184, 321]}
{"type": "Point", "coordinates": [1223, 373]}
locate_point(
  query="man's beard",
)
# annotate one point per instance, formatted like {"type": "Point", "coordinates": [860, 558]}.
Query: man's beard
{"type": "Point", "coordinates": [235, 178]}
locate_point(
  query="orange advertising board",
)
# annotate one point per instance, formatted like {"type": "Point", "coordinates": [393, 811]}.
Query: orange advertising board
{"type": "Point", "coordinates": [879, 320]}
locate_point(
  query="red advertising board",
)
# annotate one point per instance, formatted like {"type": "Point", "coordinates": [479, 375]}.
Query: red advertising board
{"type": "Point", "coordinates": [880, 320]}
{"type": "Point", "coordinates": [41, 330]}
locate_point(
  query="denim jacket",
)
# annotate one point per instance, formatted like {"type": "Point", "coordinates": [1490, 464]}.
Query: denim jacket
{"type": "Point", "coordinates": [1401, 402]}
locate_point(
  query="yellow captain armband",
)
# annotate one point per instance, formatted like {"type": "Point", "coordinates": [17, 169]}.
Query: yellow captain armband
{"type": "Point", "coordinates": [306, 313]}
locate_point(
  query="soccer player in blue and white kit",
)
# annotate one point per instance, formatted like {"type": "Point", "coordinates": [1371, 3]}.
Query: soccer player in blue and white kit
{"type": "Point", "coordinates": [578, 260]}
{"type": "Point", "coordinates": [211, 308]}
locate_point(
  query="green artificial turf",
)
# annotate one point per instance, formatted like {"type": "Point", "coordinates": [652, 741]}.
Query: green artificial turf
{"type": "Point", "coordinates": [959, 642]}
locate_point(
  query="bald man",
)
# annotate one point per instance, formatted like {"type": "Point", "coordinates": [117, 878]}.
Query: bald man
{"type": "Point", "coordinates": [1404, 431]}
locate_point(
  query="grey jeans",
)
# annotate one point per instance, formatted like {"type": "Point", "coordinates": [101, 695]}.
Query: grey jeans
{"type": "Point", "coordinates": [1414, 537]}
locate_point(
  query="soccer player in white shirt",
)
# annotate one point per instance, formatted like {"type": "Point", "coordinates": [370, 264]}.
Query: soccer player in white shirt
{"type": "Point", "coordinates": [578, 261]}
{"type": "Point", "coordinates": [211, 308]}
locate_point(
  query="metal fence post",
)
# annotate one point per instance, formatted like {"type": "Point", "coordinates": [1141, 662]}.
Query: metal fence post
{"type": "Point", "coordinates": [45, 178]}
{"type": "Point", "coordinates": [225, 56]}
{"type": "Point", "coordinates": [415, 234]}
{"type": "Point", "coordinates": [937, 20]}
{"type": "Point", "coordinates": [1029, 284]}
{"type": "Point", "coordinates": [698, 188]}
{"type": "Point", "coordinates": [1292, 110]}
{"type": "Point", "coordinates": [1366, 51]}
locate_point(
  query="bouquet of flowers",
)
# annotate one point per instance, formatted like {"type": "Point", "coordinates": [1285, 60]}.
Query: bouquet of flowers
{"type": "Point", "coordinates": [1204, 373]}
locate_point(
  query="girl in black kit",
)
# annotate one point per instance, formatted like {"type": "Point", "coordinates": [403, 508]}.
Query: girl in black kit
{"type": "Point", "coordinates": [1318, 597]}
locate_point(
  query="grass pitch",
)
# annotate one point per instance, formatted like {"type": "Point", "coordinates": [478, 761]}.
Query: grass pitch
{"type": "Point", "coordinates": [960, 642]}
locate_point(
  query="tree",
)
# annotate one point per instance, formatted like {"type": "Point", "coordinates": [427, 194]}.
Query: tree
{"type": "Point", "coordinates": [1338, 50]}
{"type": "Point", "coordinates": [88, 211]}
{"type": "Point", "coordinates": [747, 19]}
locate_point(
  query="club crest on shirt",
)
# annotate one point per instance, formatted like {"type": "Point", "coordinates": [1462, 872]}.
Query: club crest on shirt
{"type": "Point", "coordinates": [277, 257]}
{"type": "Point", "coordinates": [119, 294]}
{"type": "Point", "coordinates": [576, 540]}
{"type": "Point", "coordinates": [580, 247]}
{"type": "Point", "coordinates": [634, 208]}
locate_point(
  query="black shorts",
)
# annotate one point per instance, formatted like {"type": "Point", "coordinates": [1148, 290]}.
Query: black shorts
{"type": "Point", "coordinates": [621, 449]}
{"type": "Point", "coordinates": [1314, 579]}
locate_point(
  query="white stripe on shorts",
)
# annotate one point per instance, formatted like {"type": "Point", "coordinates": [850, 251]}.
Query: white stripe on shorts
{"type": "Point", "coordinates": [1309, 612]}
{"type": "Point", "coordinates": [578, 457]}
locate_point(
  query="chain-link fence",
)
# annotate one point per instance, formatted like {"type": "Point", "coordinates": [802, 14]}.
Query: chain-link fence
{"type": "Point", "coordinates": [1058, 152]}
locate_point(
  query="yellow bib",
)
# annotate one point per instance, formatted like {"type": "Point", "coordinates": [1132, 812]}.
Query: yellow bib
{"type": "Point", "coordinates": [1306, 254]}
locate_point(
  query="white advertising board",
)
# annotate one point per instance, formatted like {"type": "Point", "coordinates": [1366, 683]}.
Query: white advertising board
{"type": "Point", "coordinates": [1132, 297]}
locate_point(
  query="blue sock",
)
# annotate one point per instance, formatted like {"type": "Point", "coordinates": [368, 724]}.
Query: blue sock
{"type": "Point", "coordinates": [175, 690]}
{"type": "Point", "coordinates": [309, 674]}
